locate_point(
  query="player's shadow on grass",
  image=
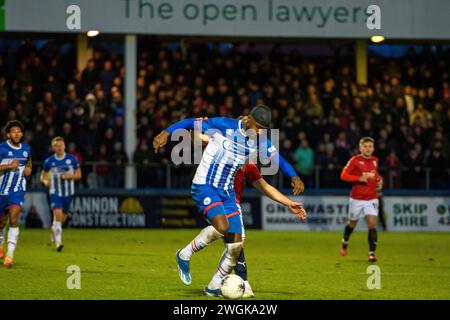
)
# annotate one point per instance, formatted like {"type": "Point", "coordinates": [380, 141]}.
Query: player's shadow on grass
{"type": "Point", "coordinates": [193, 293]}
{"type": "Point", "coordinates": [283, 293]}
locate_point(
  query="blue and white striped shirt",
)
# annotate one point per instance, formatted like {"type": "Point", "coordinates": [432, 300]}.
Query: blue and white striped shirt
{"type": "Point", "coordinates": [12, 181]}
{"type": "Point", "coordinates": [56, 167]}
{"type": "Point", "coordinates": [228, 150]}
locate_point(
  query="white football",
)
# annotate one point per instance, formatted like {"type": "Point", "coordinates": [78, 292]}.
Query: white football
{"type": "Point", "coordinates": [233, 287]}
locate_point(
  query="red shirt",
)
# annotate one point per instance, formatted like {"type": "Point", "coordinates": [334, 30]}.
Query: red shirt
{"type": "Point", "coordinates": [250, 173]}
{"type": "Point", "coordinates": [354, 169]}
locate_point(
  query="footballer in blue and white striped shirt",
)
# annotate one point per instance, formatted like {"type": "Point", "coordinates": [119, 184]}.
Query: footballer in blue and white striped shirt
{"type": "Point", "coordinates": [15, 166]}
{"type": "Point", "coordinates": [59, 173]}
{"type": "Point", "coordinates": [232, 142]}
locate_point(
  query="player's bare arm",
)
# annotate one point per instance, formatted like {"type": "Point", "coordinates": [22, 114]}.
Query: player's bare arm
{"type": "Point", "coordinates": [45, 178]}
{"type": "Point", "coordinates": [75, 176]}
{"type": "Point", "coordinates": [160, 140]}
{"type": "Point", "coordinates": [297, 185]}
{"type": "Point", "coordinates": [28, 168]}
{"type": "Point", "coordinates": [274, 194]}
{"type": "Point", "coordinates": [379, 183]}
{"type": "Point", "coordinates": [10, 166]}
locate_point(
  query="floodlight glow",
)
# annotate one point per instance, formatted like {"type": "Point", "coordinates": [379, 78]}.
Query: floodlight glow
{"type": "Point", "coordinates": [93, 33]}
{"type": "Point", "coordinates": [377, 39]}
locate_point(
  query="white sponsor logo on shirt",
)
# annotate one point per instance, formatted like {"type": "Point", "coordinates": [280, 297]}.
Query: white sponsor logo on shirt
{"type": "Point", "coordinates": [227, 145]}
{"type": "Point", "coordinates": [207, 201]}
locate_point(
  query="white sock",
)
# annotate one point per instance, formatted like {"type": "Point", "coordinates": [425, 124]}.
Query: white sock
{"type": "Point", "coordinates": [226, 264]}
{"type": "Point", "coordinates": [2, 235]}
{"type": "Point", "coordinates": [205, 237]}
{"type": "Point", "coordinates": [13, 235]}
{"type": "Point", "coordinates": [58, 233]}
{"type": "Point", "coordinates": [247, 286]}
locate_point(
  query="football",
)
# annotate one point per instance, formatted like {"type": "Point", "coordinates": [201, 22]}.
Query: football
{"type": "Point", "coordinates": [233, 287]}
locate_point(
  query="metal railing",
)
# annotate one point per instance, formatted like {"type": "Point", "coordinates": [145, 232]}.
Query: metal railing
{"type": "Point", "coordinates": [156, 175]}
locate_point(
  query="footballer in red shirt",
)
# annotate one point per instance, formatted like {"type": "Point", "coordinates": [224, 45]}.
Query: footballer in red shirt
{"type": "Point", "coordinates": [251, 174]}
{"type": "Point", "coordinates": [362, 171]}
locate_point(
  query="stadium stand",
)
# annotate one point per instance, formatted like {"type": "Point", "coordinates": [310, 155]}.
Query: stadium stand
{"type": "Point", "coordinates": [319, 108]}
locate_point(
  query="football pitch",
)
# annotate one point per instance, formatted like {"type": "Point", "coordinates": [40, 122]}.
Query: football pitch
{"type": "Point", "coordinates": [140, 264]}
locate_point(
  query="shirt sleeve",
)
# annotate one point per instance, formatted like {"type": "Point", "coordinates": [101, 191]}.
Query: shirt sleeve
{"type": "Point", "coordinates": [377, 174]}
{"type": "Point", "coordinates": [187, 124]}
{"type": "Point", "coordinates": [46, 166]}
{"type": "Point", "coordinates": [29, 153]}
{"type": "Point", "coordinates": [346, 172]}
{"type": "Point", "coordinates": [270, 152]}
{"type": "Point", "coordinates": [76, 164]}
{"type": "Point", "coordinates": [252, 173]}
{"type": "Point", "coordinates": [221, 124]}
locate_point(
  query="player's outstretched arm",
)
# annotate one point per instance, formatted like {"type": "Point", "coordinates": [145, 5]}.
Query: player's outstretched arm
{"type": "Point", "coordinates": [189, 124]}
{"type": "Point", "coordinates": [274, 194]}
{"type": "Point", "coordinates": [161, 139]}
{"type": "Point", "coordinates": [271, 152]}
{"type": "Point", "coordinates": [297, 184]}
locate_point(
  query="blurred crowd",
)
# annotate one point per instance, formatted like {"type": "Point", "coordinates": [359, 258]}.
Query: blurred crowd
{"type": "Point", "coordinates": [43, 89]}
{"type": "Point", "coordinates": [319, 108]}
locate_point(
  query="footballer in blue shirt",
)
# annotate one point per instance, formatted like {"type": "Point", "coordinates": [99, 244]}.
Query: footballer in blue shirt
{"type": "Point", "coordinates": [15, 166]}
{"type": "Point", "coordinates": [59, 174]}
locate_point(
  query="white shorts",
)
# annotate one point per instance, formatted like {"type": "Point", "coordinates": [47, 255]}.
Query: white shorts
{"type": "Point", "coordinates": [242, 222]}
{"type": "Point", "coordinates": [359, 208]}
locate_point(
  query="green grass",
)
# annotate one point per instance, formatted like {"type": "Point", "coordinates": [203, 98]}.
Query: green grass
{"type": "Point", "coordinates": [140, 264]}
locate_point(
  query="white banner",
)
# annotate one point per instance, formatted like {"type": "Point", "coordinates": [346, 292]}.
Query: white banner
{"type": "Point", "coordinates": [324, 213]}
{"type": "Point", "coordinates": [399, 19]}
{"type": "Point", "coordinates": [418, 213]}
{"type": "Point", "coordinates": [331, 212]}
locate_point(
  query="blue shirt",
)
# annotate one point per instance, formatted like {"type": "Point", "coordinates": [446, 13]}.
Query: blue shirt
{"type": "Point", "coordinates": [56, 167]}
{"type": "Point", "coordinates": [14, 180]}
{"type": "Point", "coordinates": [229, 148]}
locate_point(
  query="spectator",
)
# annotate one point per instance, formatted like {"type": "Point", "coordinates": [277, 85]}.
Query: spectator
{"type": "Point", "coordinates": [146, 175]}
{"type": "Point", "coordinates": [102, 168]}
{"type": "Point", "coordinates": [304, 160]}
{"type": "Point", "coordinates": [437, 164]}
{"type": "Point", "coordinates": [421, 117]}
{"type": "Point", "coordinates": [414, 170]}
{"type": "Point", "coordinates": [119, 159]}
{"type": "Point", "coordinates": [392, 170]}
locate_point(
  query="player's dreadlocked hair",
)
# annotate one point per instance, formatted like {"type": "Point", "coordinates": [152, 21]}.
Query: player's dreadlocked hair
{"type": "Point", "coordinates": [13, 123]}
